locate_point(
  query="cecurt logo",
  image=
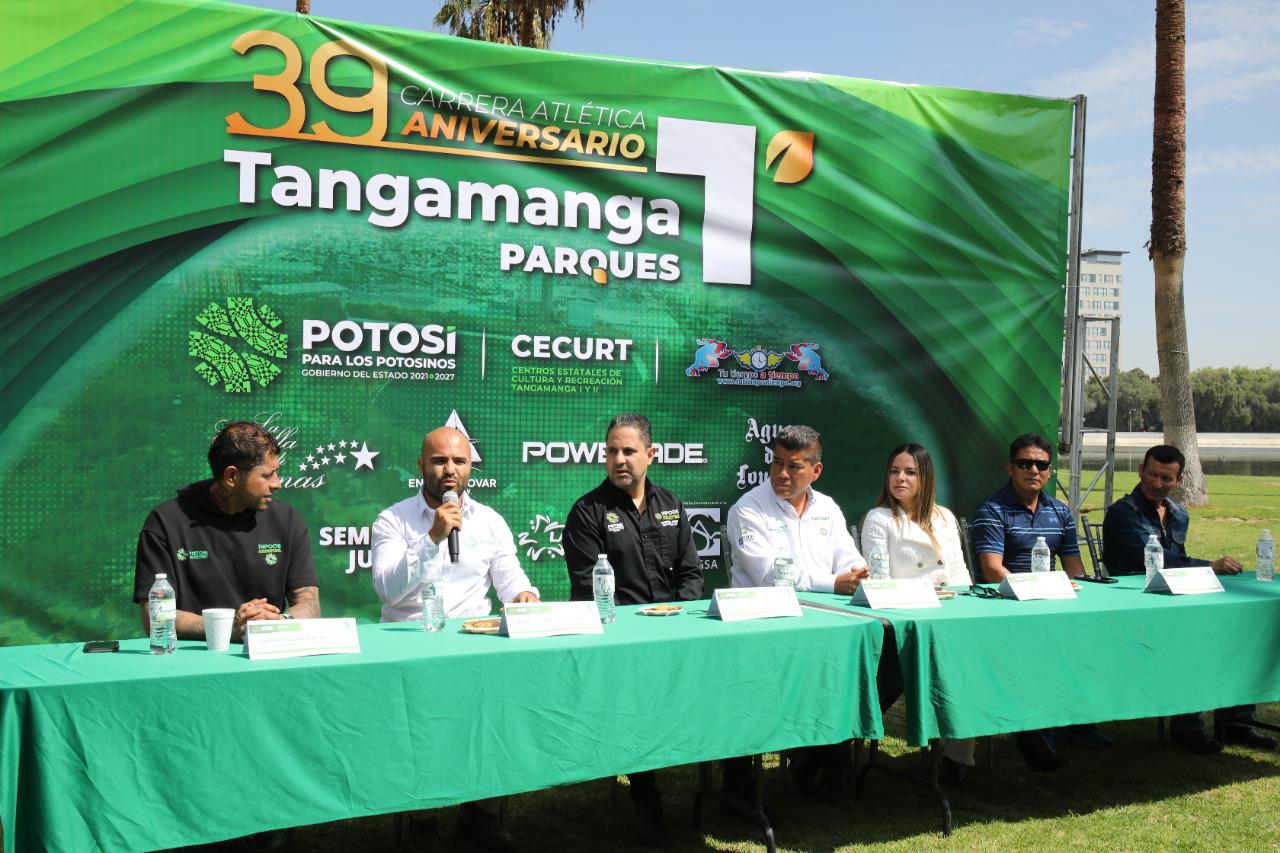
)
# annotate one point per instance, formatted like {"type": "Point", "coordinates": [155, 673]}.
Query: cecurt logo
{"type": "Point", "coordinates": [757, 366]}
{"type": "Point", "coordinates": [565, 348]}
{"type": "Point", "coordinates": [592, 452]}
{"type": "Point", "coordinates": [222, 363]}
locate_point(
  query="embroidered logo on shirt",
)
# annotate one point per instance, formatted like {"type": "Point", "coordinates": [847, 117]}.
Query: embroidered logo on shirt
{"type": "Point", "coordinates": [269, 548]}
{"type": "Point", "coordinates": [184, 554]}
{"type": "Point", "coordinates": [668, 515]}
{"type": "Point", "coordinates": [615, 528]}
{"type": "Point", "coordinates": [611, 517]}
{"type": "Point", "coordinates": [271, 559]}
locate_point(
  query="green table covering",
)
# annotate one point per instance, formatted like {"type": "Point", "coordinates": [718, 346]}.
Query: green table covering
{"type": "Point", "coordinates": [979, 667]}
{"type": "Point", "coordinates": [130, 751]}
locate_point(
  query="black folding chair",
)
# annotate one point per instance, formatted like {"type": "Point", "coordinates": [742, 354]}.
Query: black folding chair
{"type": "Point", "coordinates": [1093, 539]}
{"type": "Point", "coordinates": [966, 542]}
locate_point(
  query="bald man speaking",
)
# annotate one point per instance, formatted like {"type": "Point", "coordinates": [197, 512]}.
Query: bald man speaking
{"type": "Point", "coordinates": [486, 558]}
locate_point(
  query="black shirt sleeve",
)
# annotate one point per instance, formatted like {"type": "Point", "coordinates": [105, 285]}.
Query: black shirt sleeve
{"type": "Point", "coordinates": [302, 566]}
{"type": "Point", "coordinates": [582, 544]}
{"type": "Point", "coordinates": [153, 559]}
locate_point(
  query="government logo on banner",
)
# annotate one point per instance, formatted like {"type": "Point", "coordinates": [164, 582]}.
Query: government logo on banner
{"type": "Point", "coordinates": [757, 366]}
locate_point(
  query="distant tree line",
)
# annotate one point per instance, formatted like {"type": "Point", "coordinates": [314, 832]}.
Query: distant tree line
{"type": "Point", "coordinates": [1226, 399]}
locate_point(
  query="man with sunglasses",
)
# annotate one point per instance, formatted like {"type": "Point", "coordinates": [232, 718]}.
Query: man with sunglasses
{"type": "Point", "coordinates": [1130, 521]}
{"type": "Point", "coordinates": [1005, 529]}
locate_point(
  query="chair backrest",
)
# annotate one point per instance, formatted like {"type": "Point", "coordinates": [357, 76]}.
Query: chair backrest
{"type": "Point", "coordinates": [1093, 540]}
{"type": "Point", "coordinates": [726, 551]}
{"type": "Point", "coordinates": [966, 541]}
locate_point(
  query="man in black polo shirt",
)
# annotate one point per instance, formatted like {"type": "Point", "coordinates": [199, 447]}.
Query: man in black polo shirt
{"type": "Point", "coordinates": [645, 532]}
{"type": "Point", "coordinates": [225, 542]}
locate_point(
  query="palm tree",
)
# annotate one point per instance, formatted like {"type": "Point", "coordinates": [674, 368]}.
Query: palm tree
{"type": "Point", "coordinates": [1168, 246]}
{"type": "Point", "coordinates": [303, 7]}
{"type": "Point", "coordinates": [529, 23]}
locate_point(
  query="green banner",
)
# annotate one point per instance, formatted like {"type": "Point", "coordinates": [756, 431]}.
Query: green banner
{"type": "Point", "coordinates": [354, 234]}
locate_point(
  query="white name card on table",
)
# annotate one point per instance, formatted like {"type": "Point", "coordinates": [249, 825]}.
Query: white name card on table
{"type": "Point", "coordinates": [550, 619]}
{"type": "Point", "coordinates": [268, 639]}
{"type": "Point", "coordinates": [1191, 580]}
{"type": "Point", "coordinates": [899, 594]}
{"type": "Point", "coordinates": [754, 602]}
{"type": "Point", "coordinates": [1037, 585]}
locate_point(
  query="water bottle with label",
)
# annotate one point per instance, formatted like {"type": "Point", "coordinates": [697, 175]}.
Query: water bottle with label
{"type": "Point", "coordinates": [879, 562]}
{"type": "Point", "coordinates": [784, 571]}
{"type": "Point", "coordinates": [1040, 559]}
{"type": "Point", "coordinates": [602, 586]}
{"type": "Point", "coordinates": [162, 608]}
{"type": "Point", "coordinates": [1152, 556]}
{"type": "Point", "coordinates": [433, 599]}
{"type": "Point", "coordinates": [1266, 566]}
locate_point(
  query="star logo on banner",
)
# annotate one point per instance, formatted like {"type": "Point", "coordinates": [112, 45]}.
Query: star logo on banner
{"type": "Point", "coordinates": [339, 458]}
{"type": "Point", "coordinates": [363, 456]}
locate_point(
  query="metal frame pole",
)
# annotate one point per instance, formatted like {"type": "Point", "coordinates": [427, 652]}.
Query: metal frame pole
{"type": "Point", "coordinates": [1072, 376]}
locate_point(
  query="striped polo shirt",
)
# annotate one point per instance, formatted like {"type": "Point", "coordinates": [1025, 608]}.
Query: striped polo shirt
{"type": "Point", "coordinates": [1002, 525]}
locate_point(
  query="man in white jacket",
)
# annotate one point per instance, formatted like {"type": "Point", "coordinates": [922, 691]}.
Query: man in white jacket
{"type": "Point", "coordinates": [786, 517]}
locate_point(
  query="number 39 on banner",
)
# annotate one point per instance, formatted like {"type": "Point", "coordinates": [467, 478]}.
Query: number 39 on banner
{"type": "Point", "coordinates": [285, 84]}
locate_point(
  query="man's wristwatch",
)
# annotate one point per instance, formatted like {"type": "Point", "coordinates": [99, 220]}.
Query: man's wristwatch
{"type": "Point", "coordinates": [286, 615]}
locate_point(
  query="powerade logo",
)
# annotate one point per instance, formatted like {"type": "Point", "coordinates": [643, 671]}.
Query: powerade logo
{"type": "Point", "coordinates": [240, 347]}
{"type": "Point", "coordinates": [588, 452]}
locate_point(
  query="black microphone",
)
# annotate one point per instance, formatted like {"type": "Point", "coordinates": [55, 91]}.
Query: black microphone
{"type": "Point", "coordinates": [451, 497]}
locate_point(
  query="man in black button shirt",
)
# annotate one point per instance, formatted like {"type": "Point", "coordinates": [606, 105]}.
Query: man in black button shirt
{"type": "Point", "coordinates": [226, 542]}
{"type": "Point", "coordinates": [645, 532]}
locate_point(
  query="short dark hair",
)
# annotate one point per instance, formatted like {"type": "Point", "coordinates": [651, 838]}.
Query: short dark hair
{"type": "Point", "coordinates": [631, 420]}
{"type": "Point", "coordinates": [1026, 440]}
{"type": "Point", "coordinates": [242, 444]}
{"type": "Point", "coordinates": [796, 437]}
{"type": "Point", "coordinates": [1166, 454]}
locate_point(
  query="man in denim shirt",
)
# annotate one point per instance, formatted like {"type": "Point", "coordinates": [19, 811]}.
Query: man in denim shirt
{"type": "Point", "coordinates": [1129, 522]}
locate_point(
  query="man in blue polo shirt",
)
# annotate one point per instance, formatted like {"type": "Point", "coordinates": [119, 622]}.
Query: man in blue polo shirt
{"type": "Point", "coordinates": [1148, 510]}
{"type": "Point", "coordinates": [1005, 529]}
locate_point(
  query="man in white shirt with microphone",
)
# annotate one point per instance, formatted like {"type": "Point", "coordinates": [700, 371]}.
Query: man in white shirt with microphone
{"type": "Point", "coordinates": [471, 547]}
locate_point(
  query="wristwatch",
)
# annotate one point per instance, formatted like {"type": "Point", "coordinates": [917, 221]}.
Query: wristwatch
{"type": "Point", "coordinates": [286, 615]}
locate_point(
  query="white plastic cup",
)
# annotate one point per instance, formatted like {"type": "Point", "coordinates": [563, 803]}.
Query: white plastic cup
{"type": "Point", "coordinates": [217, 627]}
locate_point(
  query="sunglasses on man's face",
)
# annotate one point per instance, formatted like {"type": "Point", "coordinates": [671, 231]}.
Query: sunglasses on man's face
{"type": "Point", "coordinates": [1028, 464]}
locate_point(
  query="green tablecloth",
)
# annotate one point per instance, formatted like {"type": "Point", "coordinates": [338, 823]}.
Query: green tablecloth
{"type": "Point", "coordinates": [979, 667]}
{"type": "Point", "coordinates": [133, 751]}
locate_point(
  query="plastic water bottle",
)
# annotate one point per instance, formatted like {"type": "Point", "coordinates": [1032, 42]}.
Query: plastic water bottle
{"type": "Point", "coordinates": [1266, 567]}
{"type": "Point", "coordinates": [1040, 556]}
{"type": "Point", "coordinates": [162, 608]}
{"type": "Point", "coordinates": [879, 562]}
{"type": "Point", "coordinates": [602, 585]}
{"type": "Point", "coordinates": [784, 572]}
{"type": "Point", "coordinates": [433, 599]}
{"type": "Point", "coordinates": [1152, 556]}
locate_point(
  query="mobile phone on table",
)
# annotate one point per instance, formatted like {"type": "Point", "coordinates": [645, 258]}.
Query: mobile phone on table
{"type": "Point", "coordinates": [101, 646]}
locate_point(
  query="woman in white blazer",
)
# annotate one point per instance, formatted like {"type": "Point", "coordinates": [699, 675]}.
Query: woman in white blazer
{"type": "Point", "coordinates": [921, 538]}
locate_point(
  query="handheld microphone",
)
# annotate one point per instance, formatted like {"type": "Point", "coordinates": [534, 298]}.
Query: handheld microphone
{"type": "Point", "coordinates": [451, 497]}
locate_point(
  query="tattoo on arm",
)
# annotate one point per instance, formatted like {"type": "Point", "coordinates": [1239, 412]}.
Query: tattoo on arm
{"type": "Point", "coordinates": [304, 603]}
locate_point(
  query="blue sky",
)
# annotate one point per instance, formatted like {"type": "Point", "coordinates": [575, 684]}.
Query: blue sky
{"type": "Point", "coordinates": [1101, 48]}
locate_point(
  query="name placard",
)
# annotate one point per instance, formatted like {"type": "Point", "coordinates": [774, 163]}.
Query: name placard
{"type": "Point", "coordinates": [550, 619]}
{"type": "Point", "coordinates": [899, 594]}
{"type": "Point", "coordinates": [268, 639]}
{"type": "Point", "coordinates": [1190, 580]}
{"type": "Point", "coordinates": [1037, 585]}
{"type": "Point", "coordinates": [754, 602]}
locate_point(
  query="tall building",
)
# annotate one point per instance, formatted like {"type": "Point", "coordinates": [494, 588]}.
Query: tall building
{"type": "Point", "coordinates": [1101, 294]}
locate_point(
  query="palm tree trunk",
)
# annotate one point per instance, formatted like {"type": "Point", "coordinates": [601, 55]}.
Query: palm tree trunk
{"type": "Point", "coordinates": [303, 7]}
{"type": "Point", "coordinates": [1169, 244]}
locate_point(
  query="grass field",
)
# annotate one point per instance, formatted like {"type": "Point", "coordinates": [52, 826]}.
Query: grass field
{"type": "Point", "coordinates": [1139, 794]}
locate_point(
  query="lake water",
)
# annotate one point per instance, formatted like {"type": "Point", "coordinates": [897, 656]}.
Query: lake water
{"type": "Point", "coordinates": [1219, 454]}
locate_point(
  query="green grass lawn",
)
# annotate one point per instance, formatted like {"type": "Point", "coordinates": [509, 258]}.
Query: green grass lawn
{"type": "Point", "coordinates": [1139, 794]}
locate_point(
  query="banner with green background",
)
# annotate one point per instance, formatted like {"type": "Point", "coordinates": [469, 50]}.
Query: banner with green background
{"type": "Point", "coordinates": [355, 234]}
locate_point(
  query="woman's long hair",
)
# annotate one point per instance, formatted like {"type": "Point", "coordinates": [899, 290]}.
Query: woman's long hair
{"type": "Point", "coordinates": [925, 506]}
